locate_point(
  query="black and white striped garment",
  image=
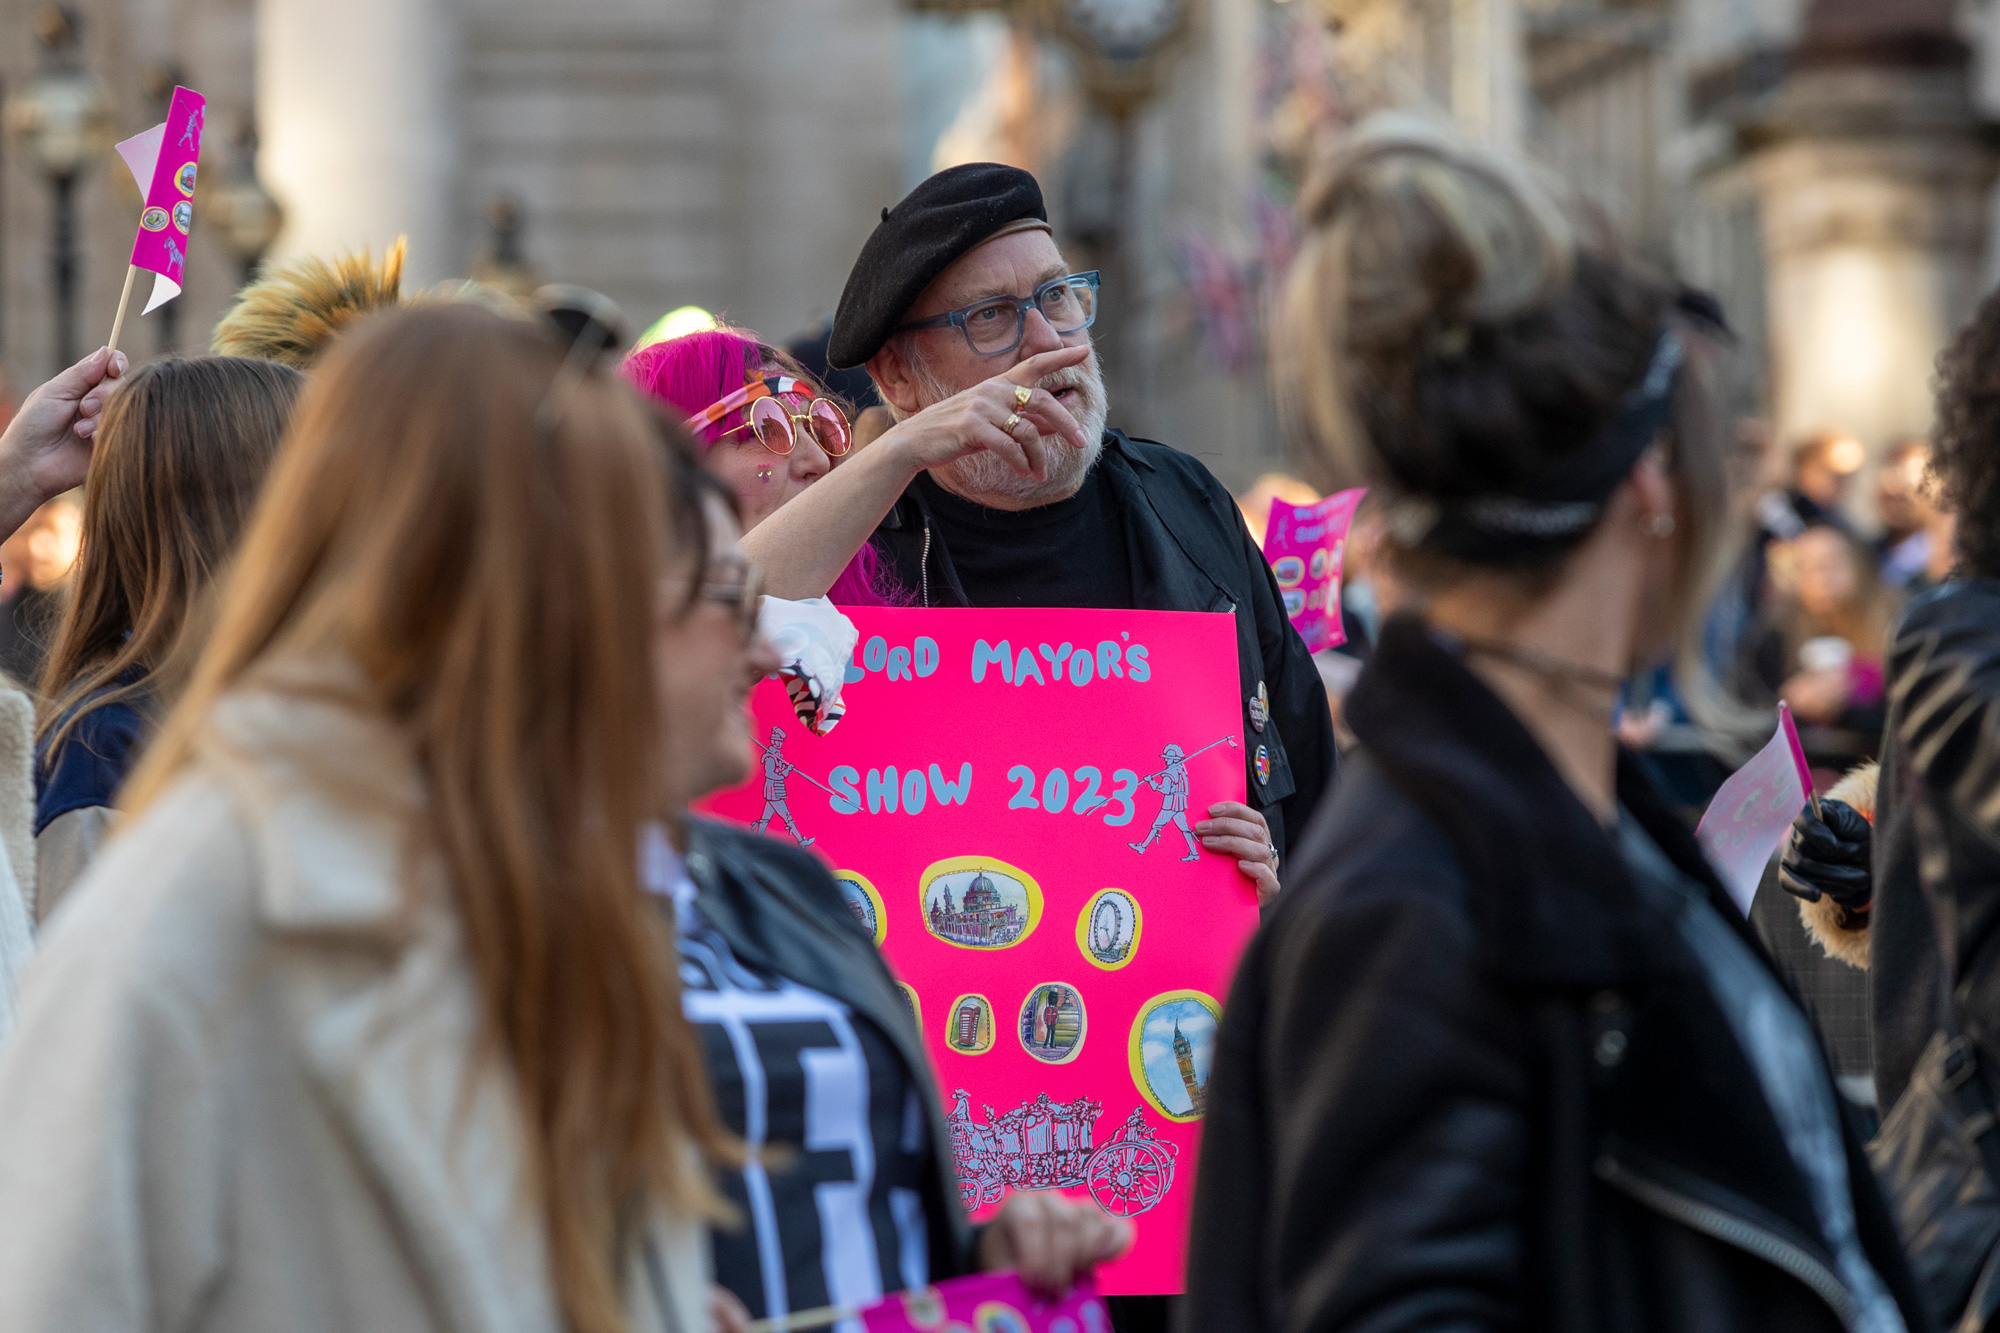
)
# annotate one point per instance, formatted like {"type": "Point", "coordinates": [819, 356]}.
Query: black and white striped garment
{"type": "Point", "coordinates": [837, 1218]}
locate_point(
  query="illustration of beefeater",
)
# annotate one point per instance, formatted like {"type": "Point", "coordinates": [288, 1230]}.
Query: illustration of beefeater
{"type": "Point", "coordinates": [1172, 784]}
{"type": "Point", "coordinates": [776, 769]}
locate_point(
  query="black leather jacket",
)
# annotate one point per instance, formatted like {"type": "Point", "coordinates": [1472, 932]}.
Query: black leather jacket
{"type": "Point", "coordinates": [1469, 1078]}
{"type": "Point", "coordinates": [780, 911]}
{"type": "Point", "coordinates": [1941, 780]}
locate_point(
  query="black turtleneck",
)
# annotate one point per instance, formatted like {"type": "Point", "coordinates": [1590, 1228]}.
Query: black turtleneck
{"type": "Point", "coordinates": [1070, 553]}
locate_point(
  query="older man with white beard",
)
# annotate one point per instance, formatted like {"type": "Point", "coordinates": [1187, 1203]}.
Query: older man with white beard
{"type": "Point", "coordinates": [961, 303]}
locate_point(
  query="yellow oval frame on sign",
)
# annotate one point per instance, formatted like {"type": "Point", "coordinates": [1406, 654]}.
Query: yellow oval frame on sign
{"type": "Point", "coordinates": [951, 1023]}
{"type": "Point", "coordinates": [1083, 929]}
{"type": "Point", "coordinates": [953, 865]}
{"type": "Point", "coordinates": [874, 897]}
{"type": "Point", "coordinates": [998, 1317]}
{"type": "Point", "coordinates": [916, 1003]}
{"type": "Point", "coordinates": [1134, 1045]}
{"type": "Point", "coordinates": [1082, 1027]}
{"type": "Point", "coordinates": [925, 1308]}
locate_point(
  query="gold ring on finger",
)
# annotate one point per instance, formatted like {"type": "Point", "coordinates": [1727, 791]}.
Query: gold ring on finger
{"type": "Point", "coordinates": [1013, 420]}
{"type": "Point", "coordinates": [1022, 394]}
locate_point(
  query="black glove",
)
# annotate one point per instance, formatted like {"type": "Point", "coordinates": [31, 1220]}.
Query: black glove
{"type": "Point", "coordinates": [1829, 854]}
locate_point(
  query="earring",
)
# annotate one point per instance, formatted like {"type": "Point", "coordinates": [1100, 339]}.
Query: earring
{"type": "Point", "coordinates": [1659, 525]}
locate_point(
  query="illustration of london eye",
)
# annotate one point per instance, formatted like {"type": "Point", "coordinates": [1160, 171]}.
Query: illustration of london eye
{"type": "Point", "coordinates": [1044, 1144]}
{"type": "Point", "coordinates": [1106, 925]}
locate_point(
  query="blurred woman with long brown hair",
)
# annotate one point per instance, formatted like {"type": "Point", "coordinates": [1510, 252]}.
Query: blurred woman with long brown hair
{"type": "Point", "coordinates": [363, 1021]}
{"type": "Point", "coordinates": [182, 449]}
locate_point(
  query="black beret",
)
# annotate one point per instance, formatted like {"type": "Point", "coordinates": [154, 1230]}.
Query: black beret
{"type": "Point", "coordinates": [918, 239]}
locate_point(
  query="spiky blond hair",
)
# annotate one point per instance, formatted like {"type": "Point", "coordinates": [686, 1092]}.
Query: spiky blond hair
{"type": "Point", "coordinates": [290, 314]}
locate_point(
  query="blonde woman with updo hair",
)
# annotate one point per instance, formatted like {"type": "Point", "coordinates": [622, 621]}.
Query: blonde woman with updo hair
{"type": "Point", "coordinates": [362, 1019]}
{"type": "Point", "coordinates": [1505, 1054]}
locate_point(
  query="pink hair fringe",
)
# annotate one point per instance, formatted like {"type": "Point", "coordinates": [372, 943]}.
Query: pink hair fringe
{"type": "Point", "coordinates": [690, 372]}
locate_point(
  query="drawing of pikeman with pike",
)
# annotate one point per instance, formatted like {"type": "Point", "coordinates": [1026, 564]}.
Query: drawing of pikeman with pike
{"type": "Point", "coordinates": [1171, 782]}
{"type": "Point", "coordinates": [776, 770]}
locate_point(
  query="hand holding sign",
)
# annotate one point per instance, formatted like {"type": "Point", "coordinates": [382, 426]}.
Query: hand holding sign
{"type": "Point", "coordinates": [1234, 829]}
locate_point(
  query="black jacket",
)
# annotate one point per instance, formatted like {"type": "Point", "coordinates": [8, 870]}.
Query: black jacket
{"type": "Point", "coordinates": [1468, 1078]}
{"type": "Point", "coordinates": [1189, 552]}
{"type": "Point", "coordinates": [781, 911]}
{"type": "Point", "coordinates": [1939, 826]}
{"type": "Point", "coordinates": [1908, 997]}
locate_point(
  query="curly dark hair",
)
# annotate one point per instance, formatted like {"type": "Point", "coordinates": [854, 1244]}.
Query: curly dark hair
{"type": "Point", "coordinates": [1965, 442]}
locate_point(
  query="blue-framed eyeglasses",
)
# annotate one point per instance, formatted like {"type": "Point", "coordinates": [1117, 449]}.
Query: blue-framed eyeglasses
{"type": "Point", "coordinates": [998, 323]}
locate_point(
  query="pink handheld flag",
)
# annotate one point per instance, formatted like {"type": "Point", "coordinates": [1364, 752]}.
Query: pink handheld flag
{"type": "Point", "coordinates": [1752, 811]}
{"type": "Point", "coordinates": [164, 160]}
{"type": "Point", "coordinates": [1306, 545]}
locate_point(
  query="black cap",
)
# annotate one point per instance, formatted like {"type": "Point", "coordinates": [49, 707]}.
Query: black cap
{"type": "Point", "coordinates": [920, 238]}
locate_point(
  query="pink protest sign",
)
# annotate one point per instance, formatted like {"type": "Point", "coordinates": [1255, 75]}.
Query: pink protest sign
{"type": "Point", "coordinates": [987, 1303]}
{"type": "Point", "coordinates": [1746, 823]}
{"type": "Point", "coordinates": [1305, 545]}
{"type": "Point", "coordinates": [164, 160]}
{"type": "Point", "coordinates": [1007, 807]}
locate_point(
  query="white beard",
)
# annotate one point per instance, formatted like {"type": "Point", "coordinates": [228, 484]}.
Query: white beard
{"type": "Point", "coordinates": [985, 478]}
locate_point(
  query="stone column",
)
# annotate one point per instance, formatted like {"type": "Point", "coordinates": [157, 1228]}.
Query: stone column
{"type": "Point", "coordinates": [1488, 76]}
{"type": "Point", "coordinates": [814, 150]}
{"type": "Point", "coordinates": [357, 111]}
{"type": "Point", "coordinates": [1872, 171]}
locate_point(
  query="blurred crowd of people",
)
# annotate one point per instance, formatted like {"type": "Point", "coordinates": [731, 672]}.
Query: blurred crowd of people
{"type": "Point", "coordinates": [1803, 615]}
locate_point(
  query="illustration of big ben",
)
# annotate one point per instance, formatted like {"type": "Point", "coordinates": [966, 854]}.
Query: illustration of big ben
{"type": "Point", "coordinates": [1184, 1057]}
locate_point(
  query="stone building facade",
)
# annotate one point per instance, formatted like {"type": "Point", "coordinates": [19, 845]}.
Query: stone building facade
{"type": "Point", "coordinates": [729, 153]}
{"type": "Point", "coordinates": [1825, 166]}
{"type": "Point", "coordinates": [138, 49]}
{"type": "Point", "coordinates": [726, 153]}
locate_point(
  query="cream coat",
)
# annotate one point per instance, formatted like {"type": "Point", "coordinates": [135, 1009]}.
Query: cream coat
{"type": "Point", "coordinates": [17, 841]}
{"type": "Point", "coordinates": [238, 1097]}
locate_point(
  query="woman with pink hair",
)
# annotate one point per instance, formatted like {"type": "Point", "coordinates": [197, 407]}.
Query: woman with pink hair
{"type": "Point", "coordinates": [771, 434]}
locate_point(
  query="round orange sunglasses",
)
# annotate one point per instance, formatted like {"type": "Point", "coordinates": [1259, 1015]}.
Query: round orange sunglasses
{"type": "Point", "coordinates": [770, 418]}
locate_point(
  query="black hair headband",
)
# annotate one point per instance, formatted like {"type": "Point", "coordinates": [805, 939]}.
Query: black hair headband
{"type": "Point", "coordinates": [1556, 507]}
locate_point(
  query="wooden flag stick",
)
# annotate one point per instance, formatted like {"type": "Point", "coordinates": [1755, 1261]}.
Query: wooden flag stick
{"type": "Point", "coordinates": [124, 299]}
{"type": "Point", "coordinates": [824, 1317]}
